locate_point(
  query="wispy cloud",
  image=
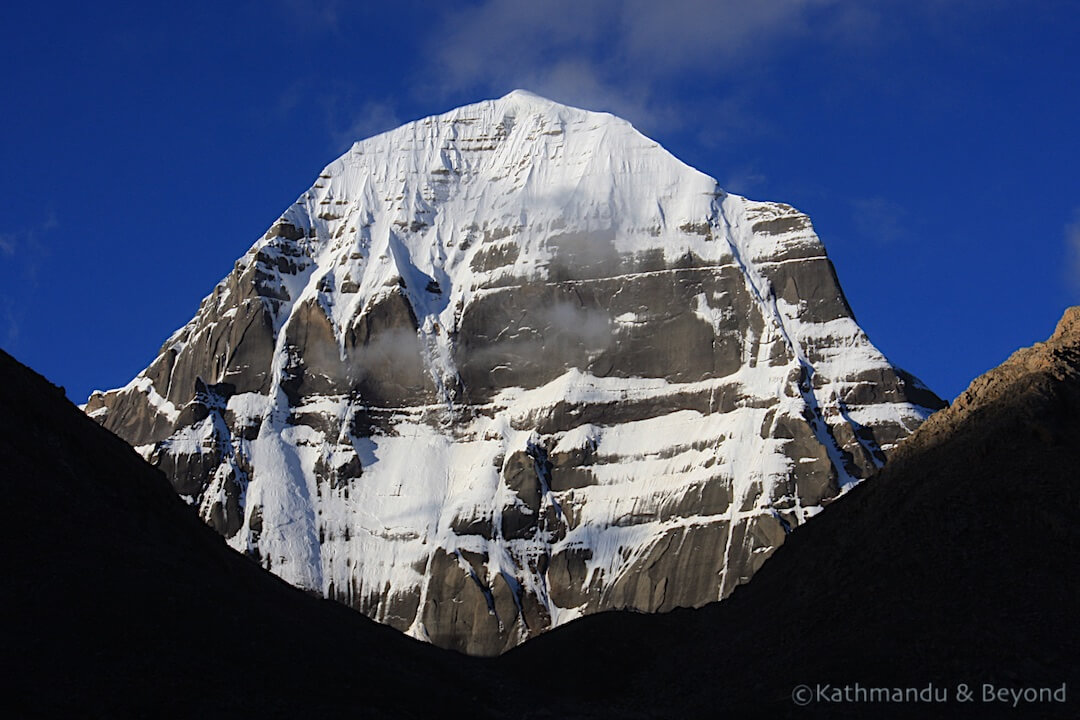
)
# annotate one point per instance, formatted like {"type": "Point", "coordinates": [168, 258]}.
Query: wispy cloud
{"type": "Point", "coordinates": [23, 250]}
{"type": "Point", "coordinates": [349, 114]}
{"type": "Point", "coordinates": [699, 66]}
{"type": "Point", "coordinates": [1072, 248]}
{"type": "Point", "coordinates": [11, 326]}
{"type": "Point", "coordinates": [33, 247]}
{"type": "Point", "coordinates": [619, 55]}
{"type": "Point", "coordinates": [878, 219]}
{"type": "Point", "coordinates": [743, 180]}
{"type": "Point", "coordinates": [26, 244]}
{"type": "Point", "coordinates": [372, 118]}
{"type": "Point", "coordinates": [311, 16]}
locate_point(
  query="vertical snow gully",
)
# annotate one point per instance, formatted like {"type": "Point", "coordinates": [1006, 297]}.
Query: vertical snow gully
{"type": "Point", "coordinates": [543, 473]}
{"type": "Point", "coordinates": [763, 291]}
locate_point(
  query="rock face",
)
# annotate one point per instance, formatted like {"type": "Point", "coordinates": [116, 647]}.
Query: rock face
{"type": "Point", "coordinates": [957, 560]}
{"type": "Point", "coordinates": [513, 364]}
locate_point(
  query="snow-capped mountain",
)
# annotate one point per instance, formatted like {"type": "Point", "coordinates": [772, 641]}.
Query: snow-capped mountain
{"type": "Point", "coordinates": [512, 364]}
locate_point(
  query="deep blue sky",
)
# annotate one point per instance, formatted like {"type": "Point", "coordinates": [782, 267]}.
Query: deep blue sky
{"type": "Point", "coordinates": [934, 144]}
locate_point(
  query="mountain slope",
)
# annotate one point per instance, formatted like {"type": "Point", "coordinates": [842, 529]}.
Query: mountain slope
{"type": "Point", "coordinates": [956, 564]}
{"type": "Point", "coordinates": [514, 364]}
{"type": "Point", "coordinates": [119, 602]}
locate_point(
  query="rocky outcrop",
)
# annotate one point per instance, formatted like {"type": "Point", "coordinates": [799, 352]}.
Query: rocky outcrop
{"type": "Point", "coordinates": [1037, 384]}
{"type": "Point", "coordinates": [514, 364]}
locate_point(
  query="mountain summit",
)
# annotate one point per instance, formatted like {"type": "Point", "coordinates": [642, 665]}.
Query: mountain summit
{"type": "Point", "coordinates": [512, 364]}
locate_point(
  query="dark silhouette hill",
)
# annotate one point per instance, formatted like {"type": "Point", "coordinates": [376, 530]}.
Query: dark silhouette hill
{"type": "Point", "coordinates": [119, 602]}
{"type": "Point", "coordinates": [956, 564]}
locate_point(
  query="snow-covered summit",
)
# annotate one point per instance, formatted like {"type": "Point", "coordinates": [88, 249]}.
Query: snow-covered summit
{"type": "Point", "coordinates": [514, 363]}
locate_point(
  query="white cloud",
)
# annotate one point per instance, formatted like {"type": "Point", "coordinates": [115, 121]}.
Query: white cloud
{"type": "Point", "coordinates": [618, 55]}
{"type": "Point", "coordinates": [679, 34]}
{"type": "Point", "coordinates": [878, 219]}
{"type": "Point", "coordinates": [372, 118]}
{"type": "Point", "coordinates": [743, 180]}
{"type": "Point", "coordinates": [8, 244]}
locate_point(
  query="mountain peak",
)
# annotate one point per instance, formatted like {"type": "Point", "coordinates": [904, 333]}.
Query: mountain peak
{"type": "Point", "coordinates": [498, 118]}
{"type": "Point", "coordinates": [528, 101]}
{"type": "Point", "coordinates": [1068, 328]}
{"type": "Point", "coordinates": [526, 96]}
{"type": "Point", "coordinates": [496, 366]}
